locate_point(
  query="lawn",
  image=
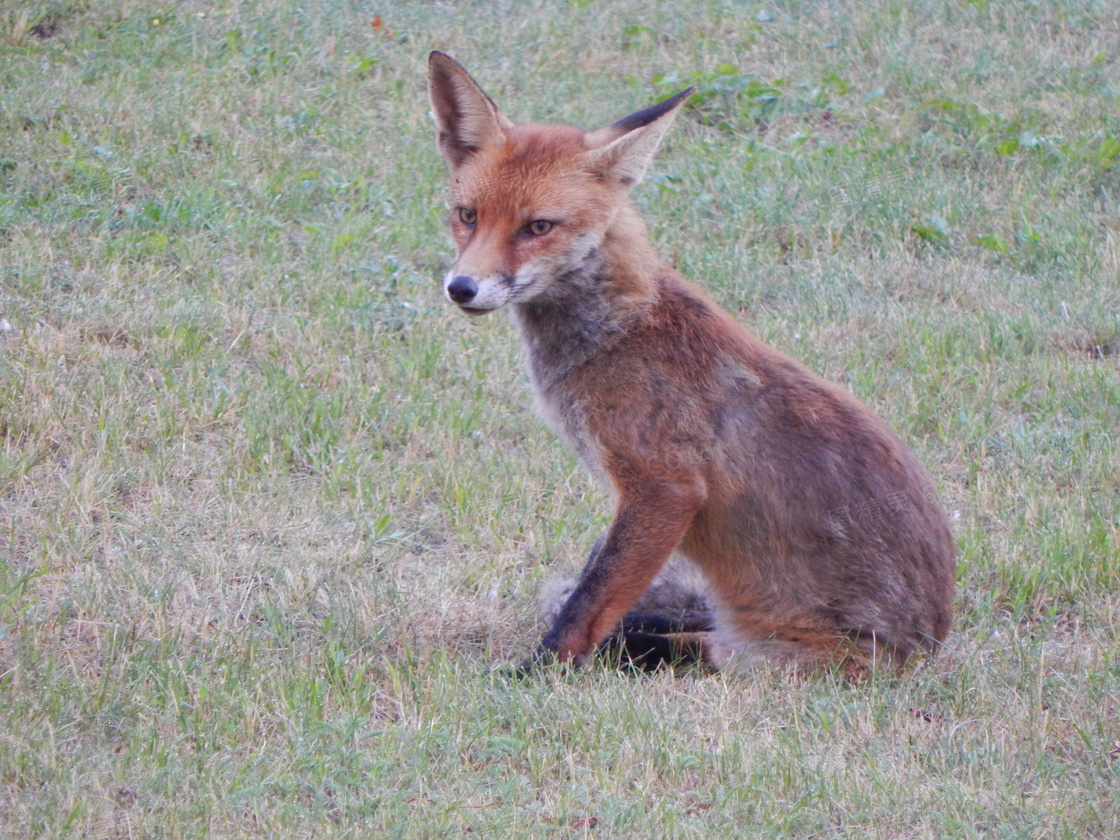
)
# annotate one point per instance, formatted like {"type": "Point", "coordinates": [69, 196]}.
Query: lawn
{"type": "Point", "coordinates": [273, 514]}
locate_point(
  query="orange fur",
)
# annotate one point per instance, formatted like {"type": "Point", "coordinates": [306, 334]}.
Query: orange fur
{"type": "Point", "coordinates": [818, 532]}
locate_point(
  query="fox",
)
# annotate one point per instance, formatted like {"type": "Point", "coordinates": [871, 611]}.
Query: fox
{"type": "Point", "coordinates": [816, 536]}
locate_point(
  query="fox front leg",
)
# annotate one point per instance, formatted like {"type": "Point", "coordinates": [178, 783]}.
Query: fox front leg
{"type": "Point", "coordinates": [647, 527]}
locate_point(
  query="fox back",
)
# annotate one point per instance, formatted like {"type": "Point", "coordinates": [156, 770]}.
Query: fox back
{"type": "Point", "coordinates": [818, 533]}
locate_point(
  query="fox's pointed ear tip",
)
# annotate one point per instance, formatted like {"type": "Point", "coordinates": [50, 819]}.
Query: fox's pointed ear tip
{"type": "Point", "coordinates": [440, 57]}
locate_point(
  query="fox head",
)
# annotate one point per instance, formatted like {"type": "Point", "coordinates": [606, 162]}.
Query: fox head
{"type": "Point", "coordinates": [531, 204]}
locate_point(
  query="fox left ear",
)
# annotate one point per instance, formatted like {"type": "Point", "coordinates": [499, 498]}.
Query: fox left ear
{"type": "Point", "coordinates": [623, 150]}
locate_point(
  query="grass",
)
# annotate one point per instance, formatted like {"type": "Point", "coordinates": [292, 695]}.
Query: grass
{"type": "Point", "coordinates": [271, 513]}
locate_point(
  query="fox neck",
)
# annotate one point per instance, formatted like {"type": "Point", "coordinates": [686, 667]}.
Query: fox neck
{"type": "Point", "coordinates": [587, 309]}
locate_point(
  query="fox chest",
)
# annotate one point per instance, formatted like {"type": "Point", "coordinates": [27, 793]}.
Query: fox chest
{"type": "Point", "coordinates": [563, 414]}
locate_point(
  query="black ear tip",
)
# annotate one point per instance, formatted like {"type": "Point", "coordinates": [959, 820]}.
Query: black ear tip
{"type": "Point", "coordinates": [437, 57]}
{"type": "Point", "coordinates": [648, 115]}
{"type": "Point", "coordinates": [683, 95]}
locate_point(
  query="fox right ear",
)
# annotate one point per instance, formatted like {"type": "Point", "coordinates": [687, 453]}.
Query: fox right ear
{"type": "Point", "coordinates": [468, 120]}
{"type": "Point", "coordinates": [623, 150]}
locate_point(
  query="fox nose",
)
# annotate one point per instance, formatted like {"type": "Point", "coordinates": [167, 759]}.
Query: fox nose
{"type": "Point", "coordinates": [462, 289]}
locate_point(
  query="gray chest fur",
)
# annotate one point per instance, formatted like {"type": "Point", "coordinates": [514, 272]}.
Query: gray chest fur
{"type": "Point", "coordinates": [562, 330]}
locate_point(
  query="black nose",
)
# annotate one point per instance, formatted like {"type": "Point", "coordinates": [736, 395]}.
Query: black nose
{"type": "Point", "coordinates": [462, 289]}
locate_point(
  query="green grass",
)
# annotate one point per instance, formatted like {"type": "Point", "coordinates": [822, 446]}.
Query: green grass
{"type": "Point", "coordinates": [270, 513]}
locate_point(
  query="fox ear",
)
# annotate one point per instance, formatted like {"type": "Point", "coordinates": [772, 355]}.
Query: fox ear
{"type": "Point", "coordinates": [468, 120]}
{"type": "Point", "coordinates": [622, 151]}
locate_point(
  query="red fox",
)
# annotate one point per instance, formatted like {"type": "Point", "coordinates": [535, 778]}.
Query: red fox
{"type": "Point", "coordinates": [818, 534]}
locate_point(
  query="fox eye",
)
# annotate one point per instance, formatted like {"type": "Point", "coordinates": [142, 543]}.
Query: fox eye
{"type": "Point", "coordinates": [539, 227]}
{"type": "Point", "coordinates": [467, 216]}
